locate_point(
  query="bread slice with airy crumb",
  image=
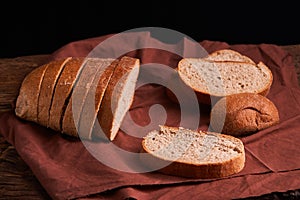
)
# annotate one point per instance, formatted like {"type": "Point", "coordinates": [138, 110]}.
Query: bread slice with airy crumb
{"type": "Point", "coordinates": [193, 154]}
{"type": "Point", "coordinates": [221, 73]}
{"type": "Point", "coordinates": [219, 78]}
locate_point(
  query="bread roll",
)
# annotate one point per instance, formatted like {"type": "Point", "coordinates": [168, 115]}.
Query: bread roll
{"type": "Point", "coordinates": [243, 114]}
{"type": "Point", "coordinates": [193, 154]}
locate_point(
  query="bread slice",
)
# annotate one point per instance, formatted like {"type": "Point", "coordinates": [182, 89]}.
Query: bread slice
{"type": "Point", "coordinates": [47, 89]}
{"type": "Point", "coordinates": [118, 97]}
{"type": "Point", "coordinates": [228, 55]}
{"type": "Point", "coordinates": [222, 55]}
{"type": "Point", "coordinates": [219, 78]}
{"type": "Point", "coordinates": [27, 100]}
{"type": "Point", "coordinates": [193, 154]}
{"type": "Point", "coordinates": [94, 96]}
{"type": "Point", "coordinates": [243, 114]}
{"type": "Point", "coordinates": [62, 92]}
{"type": "Point", "coordinates": [79, 92]}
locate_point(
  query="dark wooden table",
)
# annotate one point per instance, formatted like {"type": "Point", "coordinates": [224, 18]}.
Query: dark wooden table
{"type": "Point", "coordinates": [16, 179]}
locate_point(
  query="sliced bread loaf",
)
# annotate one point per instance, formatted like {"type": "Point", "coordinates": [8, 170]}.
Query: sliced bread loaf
{"type": "Point", "coordinates": [70, 94]}
{"type": "Point", "coordinates": [219, 78]}
{"type": "Point", "coordinates": [118, 97]}
{"type": "Point", "coordinates": [193, 154]}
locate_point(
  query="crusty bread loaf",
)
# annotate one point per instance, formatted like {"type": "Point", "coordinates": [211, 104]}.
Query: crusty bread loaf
{"type": "Point", "coordinates": [47, 89]}
{"type": "Point", "coordinates": [243, 114]}
{"type": "Point", "coordinates": [118, 97]}
{"type": "Point", "coordinates": [58, 95]}
{"type": "Point", "coordinates": [27, 102]}
{"type": "Point", "coordinates": [218, 78]}
{"type": "Point", "coordinates": [192, 154]}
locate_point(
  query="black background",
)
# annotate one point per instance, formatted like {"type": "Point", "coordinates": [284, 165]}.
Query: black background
{"type": "Point", "coordinates": [43, 27]}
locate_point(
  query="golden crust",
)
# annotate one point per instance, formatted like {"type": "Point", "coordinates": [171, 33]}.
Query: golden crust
{"type": "Point", "coordinates": [62, 92]}
{"type": "Point", "coordinates": [244, 113]}
{"type": "Point", "coordinates": [47, 89]}
{"type": "Point", "coordinates": [27, 100]}
{"type": "Point", "coordinates": [112, 94]}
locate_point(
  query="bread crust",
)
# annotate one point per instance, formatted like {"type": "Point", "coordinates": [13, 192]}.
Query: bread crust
{"type": "Point", "coordinates": [47, 89]}
{"type": "Point", "coordinates": [27, 100]}
{"type": "Point", "coordinates": [112, 95]}
{"type": "Point", "coordinates": [223, 54]}
{"type": "Point", "coordinates": [88, 119]}
{"type": "Point", "coordinates": [192, 170]}
{"type": "Point", "coordinates": [68, 123]}
{"type": "Point", "coordinates": [62, 91]}
{"type": "Point", "coordinates": [79, 92]}
{"type": "Point", "coordinates": [245, 113]}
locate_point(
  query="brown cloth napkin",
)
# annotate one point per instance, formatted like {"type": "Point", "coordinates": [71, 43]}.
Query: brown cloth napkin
{"type": "Point", "coordinates": [67, 170]}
